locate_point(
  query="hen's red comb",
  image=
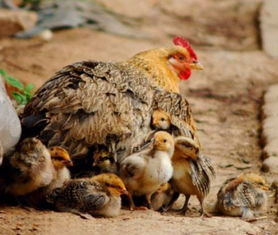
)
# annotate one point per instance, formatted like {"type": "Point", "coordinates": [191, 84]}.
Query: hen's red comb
{"type": "Point", "coordinates": [180, 41]}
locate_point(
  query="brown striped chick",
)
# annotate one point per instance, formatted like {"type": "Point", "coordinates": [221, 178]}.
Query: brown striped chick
{"type": "Point", "coordinates": [163, 197]}
{"type": "Point", "coordinates": [61, 160]}
{"type": "Point", "coordinates": [191, 176]}
{"type": "Point", "coordinates": [243, 196]}
{"type": "Point", "coordinates": [144, 172]}
{"type": "Point", "coordinates": [104, 162]}
{"type": "Point", "coordinates": [31, 168]}
{"type": "Point", "coordinates": [98, 196]}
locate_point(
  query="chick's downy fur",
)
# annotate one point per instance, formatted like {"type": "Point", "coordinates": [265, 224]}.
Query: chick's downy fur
{"type": "Point", "coordinates": [144, 172]}
{"type": "Point", "coordinates": [61, 160]}
{"type": "Point", "coordinates": [243, 196]}
{"type": "Point", "coordinates": [104, 162]}
{"type": "Point", "coordinates": [31, 167]}
{"type": "Point", "coordinates": [98, 196]}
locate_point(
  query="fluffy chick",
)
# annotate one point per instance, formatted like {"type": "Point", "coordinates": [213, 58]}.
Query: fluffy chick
{"type": "Point", "coordinates": [104, 162]}
{"type": "Point", "coordinates": [61, 160]}
{"type": "Point", "coordinates": [30, 167]}
{"type": "Point", "coordinates": [243, 196]}
{"type": "Point", "coordinates": [163, 197]}
{"type": "Point", "coordinates": [98, 196]}
{"type": "Point", "coordinates": [191, 176]}
{"type": "Point", "coordinates": [144, 172]}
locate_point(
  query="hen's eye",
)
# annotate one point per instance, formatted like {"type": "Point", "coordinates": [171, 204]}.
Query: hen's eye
{"type": "Point", "coordinates": [163, 119]}
{"type": "Point", "coordinates": [181, 57]}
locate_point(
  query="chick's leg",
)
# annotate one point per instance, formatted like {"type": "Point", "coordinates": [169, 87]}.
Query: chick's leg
{"type": "Point", "coordinates": [148, 197]}
{"type": "Point", "coordinates": [202, 211]}
{"type": "Point", "coordinates": [170, 204]}
{"type": "Point", "coordinates": [132, 204]}
{"type": "Point", "coordinates": [185, 205]}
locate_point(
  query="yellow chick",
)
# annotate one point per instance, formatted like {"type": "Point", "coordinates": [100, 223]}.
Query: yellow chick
{"type": "Point", "coordinates": [243, 196]}
{"type": "Point", "coordinates": [161, 120]}
{"type": "Point", "coordinates": [98, 196]}
{"type": "Point", "coordinates": [31, 167]}
{"type": "Point", "coordinates": [61, 160]}
{"type": "Point", "coordinates": [104, 162]}
{"type": "Point", "coordinates": [144, 172]}
{"type": "Point", "coordinates": [191, 176]}
{"type": "Point", "coordinates": [163, 197]}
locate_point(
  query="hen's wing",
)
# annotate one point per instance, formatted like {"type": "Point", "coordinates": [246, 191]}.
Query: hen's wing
{"type": "Point", "coordinates": [91, 103]}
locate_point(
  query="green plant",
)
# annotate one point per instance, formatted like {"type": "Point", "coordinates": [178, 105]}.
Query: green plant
{"type": "Point", "coordinates": [24, 93]}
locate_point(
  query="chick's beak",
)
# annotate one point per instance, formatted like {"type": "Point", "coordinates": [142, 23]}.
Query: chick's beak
{"type": "Point", "coordinates": [68, 163]}
{"type": "Point", "coordinates": [196, 65]}
{"type": "Point", "coordinates": [266, 187]}
{"type": "Point", "coordinates": [125, 192]}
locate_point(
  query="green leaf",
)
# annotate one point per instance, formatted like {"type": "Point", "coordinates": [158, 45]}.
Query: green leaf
{"type": "Point", "coordinates": [3, 73]}
{"type": "Point", "coordinates": [20, 99]}
{"type": "Point", "coordinates": [29, 87]}
{"type": "Point", "coordinates": [14, 82]}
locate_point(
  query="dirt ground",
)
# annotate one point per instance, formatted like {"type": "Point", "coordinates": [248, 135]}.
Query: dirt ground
{"type": "Point", "coordinates": [225, 98]}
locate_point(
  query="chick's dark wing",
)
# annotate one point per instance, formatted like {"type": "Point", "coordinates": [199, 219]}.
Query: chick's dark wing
{"type": "Point", "coordinates": [95, 201]}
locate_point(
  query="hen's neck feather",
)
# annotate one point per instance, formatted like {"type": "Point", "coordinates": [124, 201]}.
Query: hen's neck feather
{"type": "Point", "coordinates": [155, 65]}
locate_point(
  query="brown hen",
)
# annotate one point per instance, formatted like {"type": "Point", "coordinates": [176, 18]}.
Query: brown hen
{"type": "Point", "coordinates": [90, 105]}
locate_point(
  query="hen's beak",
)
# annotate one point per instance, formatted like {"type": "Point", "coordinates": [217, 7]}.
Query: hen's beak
{"type": "Point", "coordinates": [196, 65]}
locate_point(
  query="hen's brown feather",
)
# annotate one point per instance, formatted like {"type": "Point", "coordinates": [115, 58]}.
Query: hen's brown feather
{"type": "Point", "coordinates": [93, 103]}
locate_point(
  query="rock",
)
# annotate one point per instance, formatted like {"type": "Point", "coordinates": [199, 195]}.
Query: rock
{"type": "Point", "coordinates": [270, 133]}
{"type": "Point", "coordinates": [10, 128]}
{"type": "Point", "coordinates": [229, 24]}
{"type": "Point", "coordinates": [269, 27]}
{"type": "Point", "coordinates": [270, 165]}
{"type": "Point", "coordinates": [271, 95]}
{"type": "Point", "coordinates": [13, 22]}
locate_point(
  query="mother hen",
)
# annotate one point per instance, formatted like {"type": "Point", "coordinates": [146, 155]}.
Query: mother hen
{"type": "Point", "coordinates": [90, 105]}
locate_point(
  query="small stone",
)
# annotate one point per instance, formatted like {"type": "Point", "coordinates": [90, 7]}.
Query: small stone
{"type": "Point", "coordinates": [46, 35]}
{"type": "Point", "coordinates": [13, 22]}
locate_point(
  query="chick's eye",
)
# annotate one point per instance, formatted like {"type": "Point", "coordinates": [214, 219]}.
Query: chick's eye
{"type": "Point", "coordinates": [164, 140]}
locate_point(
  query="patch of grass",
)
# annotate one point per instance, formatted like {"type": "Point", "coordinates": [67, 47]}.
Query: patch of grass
{"type": "Point", "coordinates": [24, 93]}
